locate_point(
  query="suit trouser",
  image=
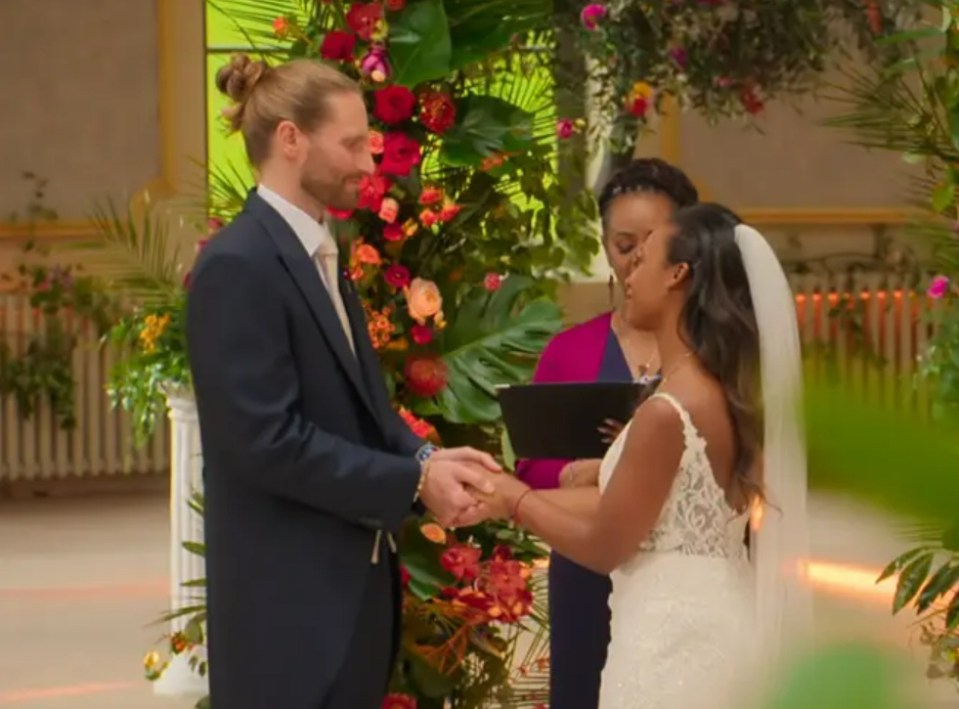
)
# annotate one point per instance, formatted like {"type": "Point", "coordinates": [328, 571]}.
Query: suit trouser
{"type": "Point", "coordinates": [364, 676]}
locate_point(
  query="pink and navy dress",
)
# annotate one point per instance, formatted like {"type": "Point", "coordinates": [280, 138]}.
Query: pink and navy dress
{"type": "Point", "coordinates": [578, 597]}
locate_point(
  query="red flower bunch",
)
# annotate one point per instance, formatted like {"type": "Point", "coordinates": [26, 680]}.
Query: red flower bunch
{"type": "Point", "coordinates": [401, 153]}
{"type": "Point", "coordinates": [426, 375]}
{"type": "Point", "coordinates": [437, 112]}
{"type": "Point", "coordinates": [363, 19]}
{"type": "Point", "coordinates": [338, 46]}
{"type": "Point", "coordinates": [422, 429]}
{"type": "Point", "coordinates": [399, 701]}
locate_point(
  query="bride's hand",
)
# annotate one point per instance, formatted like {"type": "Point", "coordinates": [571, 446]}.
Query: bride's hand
{"type": "Point", "coordinates": [498, 504]}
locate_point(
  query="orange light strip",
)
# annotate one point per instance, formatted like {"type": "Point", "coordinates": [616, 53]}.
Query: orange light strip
{"type": "Point", "coordinates": [18, 696]}
{"type": "Point", "coordinates": [848, 580]}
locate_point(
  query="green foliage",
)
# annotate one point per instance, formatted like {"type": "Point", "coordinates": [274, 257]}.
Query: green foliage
{"type": "Point", "coordinates": [725, 59]}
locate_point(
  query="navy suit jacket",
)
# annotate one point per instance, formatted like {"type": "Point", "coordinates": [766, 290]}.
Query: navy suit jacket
{"type": "Point", "coordinates": [304, 461]}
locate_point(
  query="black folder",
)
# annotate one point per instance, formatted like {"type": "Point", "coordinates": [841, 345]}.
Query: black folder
{"type": "Point", "coordinates": [562, 420]}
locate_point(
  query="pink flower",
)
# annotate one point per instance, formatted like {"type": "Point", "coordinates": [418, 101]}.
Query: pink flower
{"type": "Point", "coordinates": [492, 282]}
{"type": "Point", "coordinates": [938, 287]}
{"type": "Point", "coordinates": [374, 64]}
{"type": "Point", "coordinates": [397, 275]}
{"type": "Point", "coordinates": [679, 55]}
{"type": "Point", "coordinates": [421, 334]}
{"type": "Point", "coordinates": [591, 15]}
{"type": "Point", "coordinates": [565, 128]}
{"type": "Point", "coordinates": [389, 210]}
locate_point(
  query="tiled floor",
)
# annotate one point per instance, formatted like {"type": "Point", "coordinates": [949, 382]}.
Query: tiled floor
{"type": "Point", "coordinates": [82, 578]}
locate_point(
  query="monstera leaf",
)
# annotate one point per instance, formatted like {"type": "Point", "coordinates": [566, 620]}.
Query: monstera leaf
{"type": "Point", "coordinates": [420, 47]}
{"type": "Point", "coordinates": [487, 125]}
{"type": "Point", "coordinates": [495, 339]}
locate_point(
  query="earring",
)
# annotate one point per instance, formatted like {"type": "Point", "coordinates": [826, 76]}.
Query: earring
{"type": "Point", "coordinates": [612, 289]}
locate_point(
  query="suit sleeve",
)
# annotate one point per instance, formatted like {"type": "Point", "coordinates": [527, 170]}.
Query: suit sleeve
{"type": "Point", "coordinates": [248, 390]}
{"type": "Point", "coordinates": [544, 473]}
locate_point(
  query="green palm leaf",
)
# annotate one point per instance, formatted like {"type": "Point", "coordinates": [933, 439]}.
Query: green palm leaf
{"type": "Point", "coordinates": [253, 19]}
{"type": "Point", "coordinates": [494, 340]}
{"type": "Point", "coordinates": [133, 251]}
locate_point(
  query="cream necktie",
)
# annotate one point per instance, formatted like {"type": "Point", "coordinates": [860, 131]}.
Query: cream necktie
{"type": "Point", "coordinates": [326, 259]}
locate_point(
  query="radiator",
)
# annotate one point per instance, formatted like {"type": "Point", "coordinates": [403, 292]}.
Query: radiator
{"type": "Point", "coordinates": [37, 448]}
{"type": "Point", "coordinates": [866, 331]}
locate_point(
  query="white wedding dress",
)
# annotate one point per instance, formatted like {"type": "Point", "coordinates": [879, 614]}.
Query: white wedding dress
{"type": "Point", "coordinates": [683, 610]}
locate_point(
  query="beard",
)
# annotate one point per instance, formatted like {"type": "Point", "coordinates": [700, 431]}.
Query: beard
{"type": "Point", "coordinates": [323, 184]}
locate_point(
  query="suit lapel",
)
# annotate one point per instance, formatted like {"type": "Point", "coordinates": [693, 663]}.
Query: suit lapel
{"type": "Point", "coordinates": [304, 273]}
{"type": "Point", "coordinates": [368, 359]}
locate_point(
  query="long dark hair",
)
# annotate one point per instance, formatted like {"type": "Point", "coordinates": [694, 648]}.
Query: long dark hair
{"type": "Point", "coordinates": [719, 320]}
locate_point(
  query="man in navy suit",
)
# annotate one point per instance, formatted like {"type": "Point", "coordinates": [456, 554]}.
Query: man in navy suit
{"type": "Point", "coordinates": [308, 470]}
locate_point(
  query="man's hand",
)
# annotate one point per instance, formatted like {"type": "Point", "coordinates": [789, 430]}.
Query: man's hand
{"type": "Point", "coordinates": [451, 472]}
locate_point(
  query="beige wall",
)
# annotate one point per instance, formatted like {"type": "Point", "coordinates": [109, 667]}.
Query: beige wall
{"type": "Point", "coordinates": [106, 101]}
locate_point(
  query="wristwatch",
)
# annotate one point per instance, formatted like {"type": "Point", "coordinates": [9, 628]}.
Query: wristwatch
{"type": "Point", "coordinates": [425, 451]}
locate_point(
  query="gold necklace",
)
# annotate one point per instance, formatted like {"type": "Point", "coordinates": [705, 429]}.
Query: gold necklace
{"type": "Point", "coordinates": [672, 370]}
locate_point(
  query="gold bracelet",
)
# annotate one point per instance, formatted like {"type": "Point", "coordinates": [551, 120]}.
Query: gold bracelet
{"type": "Point", "coordinates": [424, 474]}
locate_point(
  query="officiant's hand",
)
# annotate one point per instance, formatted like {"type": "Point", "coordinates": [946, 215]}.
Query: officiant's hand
{"type": "Point", "coordinates": [610, 429]}
{"type": "Point", "coordinates": [580, 473]}
{"type": "Point", "coordinates": [451, 475]}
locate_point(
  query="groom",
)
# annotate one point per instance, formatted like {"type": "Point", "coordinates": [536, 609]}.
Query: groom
{"type": "Point", "coordinates": [308, 471]}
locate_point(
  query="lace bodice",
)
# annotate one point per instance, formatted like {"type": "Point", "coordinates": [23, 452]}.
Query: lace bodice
{"type": "Point", "coordinates": [696, 518]}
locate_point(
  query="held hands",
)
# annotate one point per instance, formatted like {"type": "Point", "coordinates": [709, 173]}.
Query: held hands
{"type": "Point", "coordinates": [453, 476]}
{"type": "Point", "coordinates": [498, 504]}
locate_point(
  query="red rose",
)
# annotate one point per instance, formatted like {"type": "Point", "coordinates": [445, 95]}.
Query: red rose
{"type": "Point", "coordinates": [492, 282]}
{"type": "Point", "coordinates": [362, 18]}
{"type": "Point", "coordinates": [397, 275]}
{"type": "Point", "coordinates": [338, 46]}
{"type": "Point", "coordinates": [421, 334]}
{"type": "Point", "coordinates": [399, 701]}
{"type": "Point", "coordinates": [426, 375]}
{"type": "Point", "coordinates": [401, 153]}
{"type": "Point", "coordinates": [372, 190]}
{"type": "Point", "coordinates": [438, 112]}
{"type": "Point", "coordinates": [393, 104]}
{"type": "Point", "coordinates": [393, 232]}
{"type": "Point", "coordinates": [463, 561]}
{"type": "Point", "coordinates": [428, 218]}
{"type": "Point", "coordinates": [395, 5]}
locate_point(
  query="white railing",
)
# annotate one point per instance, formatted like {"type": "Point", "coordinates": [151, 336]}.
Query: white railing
{"type": "Point", "coordinates": [38, 448]}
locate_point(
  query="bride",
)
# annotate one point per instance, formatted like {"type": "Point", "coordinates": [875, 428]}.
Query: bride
{"type": "Point", "coordinates": [719, 443]}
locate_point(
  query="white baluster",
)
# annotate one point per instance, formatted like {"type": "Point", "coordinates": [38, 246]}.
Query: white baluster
{"type": "Point", "coordinates": [186, 461]}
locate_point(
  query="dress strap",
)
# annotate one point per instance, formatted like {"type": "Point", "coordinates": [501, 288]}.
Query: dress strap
{"type": "Point", "coordinates": [689, 430]}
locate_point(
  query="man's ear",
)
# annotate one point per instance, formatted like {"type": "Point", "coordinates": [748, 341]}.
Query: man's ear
{"type": "Point", "coordinates": [287, 137]}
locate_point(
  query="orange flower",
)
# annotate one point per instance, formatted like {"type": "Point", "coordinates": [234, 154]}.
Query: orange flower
{"type": "Point", "coordinates": [492, 162]}
{"type": "Point", "coordinates": [379, 326]}
{"type": "Point", "coordinates": [367, 254]}
{"type": "Point", "coordinates": [640, 99]}
{"type": "Point", "coordinates": [431, 196]}
{"type": "Point", "coordinates": [449, 212]}
{"type": "Point", "coordinates": [423, 300]}
{"type": "Point", "coordinates": [376, 142]}
{"type": "Point", "coordinates": [410, 227]}
{"type": "Point", "coordinates": [434, 533]}
{"type": "Point", "coordinates": [428, 218]}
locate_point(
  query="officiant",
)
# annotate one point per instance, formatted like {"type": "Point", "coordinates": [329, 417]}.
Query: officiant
{"type": "Point", "coordinates": [637, 199]}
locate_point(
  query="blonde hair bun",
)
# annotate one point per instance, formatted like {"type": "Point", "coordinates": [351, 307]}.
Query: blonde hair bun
{"type": "Point", "coordinates": [238, 78]}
